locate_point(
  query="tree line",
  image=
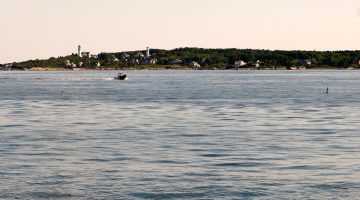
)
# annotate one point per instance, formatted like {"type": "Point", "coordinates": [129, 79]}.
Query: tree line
{"type": "Point", "coordinates": [207, 58]}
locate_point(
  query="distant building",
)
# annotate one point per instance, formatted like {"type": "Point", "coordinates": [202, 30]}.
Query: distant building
{"type": "Point", "coordinates": [71, 65]}
{"type": "Point", "coordinates": [153, 61]}
{"type": "Point", "coordinates": [115, 59]}
{"type": "Point", "coordinates": [239, 63]}
{"type": "Point", "coordinates": [148, 55]}
{"type": "Point", "coordinates": [125, 56]}
{"type": "Point", "coordinates": [139, 55]}
{"type": "Point", "coordinates": [304, 63]}
{"type": "Point", "coordinates": [176, 62]}
{"type": "Point", "coordinates": [195, 64]}
{"type": "Point", "coordinates": [255, 64]}
{"type": "Point", "coordinates": [134, 61]}
{"type": "Point", "coordinates": [140, 58]}
{"type": "Point", "coordinates": [5, 67]}
{"type": "Point", "coordinates": [258, 63]}
{"type": "Point", "coordinates": [149, 61]}
{"type": "Point", "coordinates": [79, 51]}
{"type": "Point", "coordinates": [67, 63]}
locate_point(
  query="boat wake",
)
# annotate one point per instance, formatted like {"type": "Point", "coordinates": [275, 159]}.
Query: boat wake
{"type": "Point", "coordinates": [88, 79]}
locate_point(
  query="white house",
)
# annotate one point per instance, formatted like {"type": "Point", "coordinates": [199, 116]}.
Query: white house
{"type": "Point", "coordinates": [239, 63]}
{"type": "Point", "coordinates": [115, 59]}
{"type": "Point", "coordinates": [125, 56]}
{"type": "Point", "coordinates": [255, 64]}
{"type": "Point", "coordinates": [67, 63]}
{"type": "Point", "coordinates": [258, 63]}
{"type": "Point", "coordinates": [153, 61]}
{"type": "Point", "coordinates": [195, 64]}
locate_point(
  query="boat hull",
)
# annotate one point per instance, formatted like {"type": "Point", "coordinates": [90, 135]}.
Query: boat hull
{"type": "Point", "coordinates": [120, 77]}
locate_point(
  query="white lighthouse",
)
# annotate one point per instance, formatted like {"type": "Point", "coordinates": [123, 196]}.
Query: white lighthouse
{"type": "Point", "coordinates": [148, 52]}
{"type": "Point", "coordinates": [79, 51]}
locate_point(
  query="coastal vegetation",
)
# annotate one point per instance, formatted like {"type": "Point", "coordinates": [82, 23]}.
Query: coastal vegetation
{"type": "Point", "coordinates": [199, 58]}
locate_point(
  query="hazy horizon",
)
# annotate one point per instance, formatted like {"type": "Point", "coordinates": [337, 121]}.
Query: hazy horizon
{"type": "Point", "coordinates": [38, 29]}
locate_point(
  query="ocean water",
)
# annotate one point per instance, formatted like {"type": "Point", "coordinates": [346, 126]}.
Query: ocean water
{"type": "Point", "coordinates": [180, 135]}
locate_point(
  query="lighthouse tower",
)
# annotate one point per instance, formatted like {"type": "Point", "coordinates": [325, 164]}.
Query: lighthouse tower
{"type": "Point", "coordinates": [148, 52]}
{"type": "Point", "coordinates": [79, 51]}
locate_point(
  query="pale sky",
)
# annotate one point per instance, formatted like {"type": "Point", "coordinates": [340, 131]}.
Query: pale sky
{"type": "Point", "coordinates": [31, 29]}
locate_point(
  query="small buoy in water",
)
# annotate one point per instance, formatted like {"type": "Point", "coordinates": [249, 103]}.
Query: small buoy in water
{"type": "Point", "coordinates": [327, 90]}
{"type": "Point", "coordinates": [62, 93]}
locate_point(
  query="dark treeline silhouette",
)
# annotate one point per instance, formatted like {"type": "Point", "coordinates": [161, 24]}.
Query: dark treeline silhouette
{"type": "Point", "coordinates": [207, 59]}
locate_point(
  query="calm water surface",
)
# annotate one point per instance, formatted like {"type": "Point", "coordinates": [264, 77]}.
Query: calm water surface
{"type": "Point", "coordinates": [180, 135]}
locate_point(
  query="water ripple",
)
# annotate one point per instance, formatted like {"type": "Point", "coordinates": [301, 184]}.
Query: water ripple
{"type": "Point", "coordinates": [180, 135]}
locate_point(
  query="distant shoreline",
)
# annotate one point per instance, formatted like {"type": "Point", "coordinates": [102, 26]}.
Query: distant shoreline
{"type": "Point", "coordinates": [108, 68]}
{"type": "Point", "coordinates": [195, 59]}
{"type": "Point", "coordinates": [164, 68]}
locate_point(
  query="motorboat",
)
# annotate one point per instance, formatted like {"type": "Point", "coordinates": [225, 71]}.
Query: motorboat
{"type": "Point", "coordinates": [120, 76]}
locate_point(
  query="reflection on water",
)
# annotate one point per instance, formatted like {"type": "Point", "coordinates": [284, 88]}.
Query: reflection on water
{"type": "Point", "coordinates": [180, 135]}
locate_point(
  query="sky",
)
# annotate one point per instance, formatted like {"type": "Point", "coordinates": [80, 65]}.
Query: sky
{"type": "Point", "coordinates": [39, 29]}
